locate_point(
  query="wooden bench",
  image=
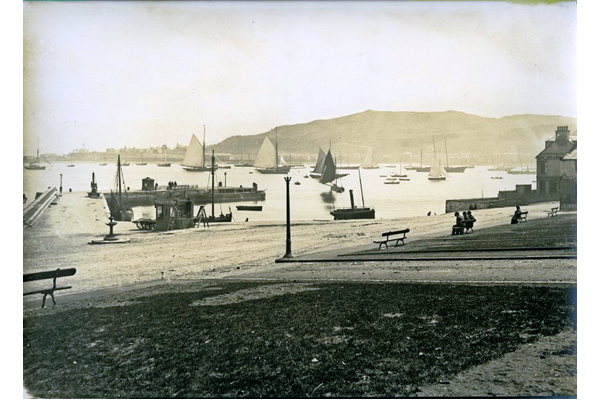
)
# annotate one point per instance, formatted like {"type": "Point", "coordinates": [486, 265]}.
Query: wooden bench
{"type": "Point", "coordinates": [38, 276]}
{"type": "Point", "coordinates": [553, 212]}
{"type": "Point", "coordinates": [523, 216]}
{"type": "Point", "coordinates": [469, 225]}
{"type": "Point", "coordinates": [391, 236]}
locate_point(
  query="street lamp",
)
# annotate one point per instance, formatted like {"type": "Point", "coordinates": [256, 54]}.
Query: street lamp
{"type": "Point", "coordinates": [288, 238]}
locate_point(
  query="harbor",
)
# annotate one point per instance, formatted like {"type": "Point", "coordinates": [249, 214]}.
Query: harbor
{"type": "Point", "coordinates": [299, 200]}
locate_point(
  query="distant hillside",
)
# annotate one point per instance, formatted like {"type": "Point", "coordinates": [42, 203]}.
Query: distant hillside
{"type": "Point", "coordinates": [398, 136]}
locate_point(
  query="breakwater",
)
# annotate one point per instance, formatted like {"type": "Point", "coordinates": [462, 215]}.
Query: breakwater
{"type": "Point", "coordinates": [33, 210]}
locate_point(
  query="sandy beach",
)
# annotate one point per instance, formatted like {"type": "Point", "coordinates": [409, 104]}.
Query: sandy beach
{"type": "Point", "coordinates": [60, 237]}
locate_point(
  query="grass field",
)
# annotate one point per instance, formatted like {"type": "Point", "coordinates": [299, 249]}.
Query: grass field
{"type": "Point", "coordinates": [239, 339]}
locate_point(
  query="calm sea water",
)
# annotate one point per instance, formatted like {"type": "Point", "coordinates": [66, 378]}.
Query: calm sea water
{"type": "Point", "coordinates": [310, 200]}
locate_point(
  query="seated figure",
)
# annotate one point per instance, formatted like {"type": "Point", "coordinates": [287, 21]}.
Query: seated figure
{"type": "Point", "coordinates": [459, 226]}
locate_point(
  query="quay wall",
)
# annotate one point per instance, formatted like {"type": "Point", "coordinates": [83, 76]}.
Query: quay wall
{"type": "Point", "coordinates": [37, 207]}
{"type": "Point", "coordinates": [470, 204]}
{"type": "Point", "coordinates": [507, 199]}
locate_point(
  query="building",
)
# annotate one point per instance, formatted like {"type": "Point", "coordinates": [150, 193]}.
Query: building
{"type": "Point", "coordinates": [551, 168]}
{"type": "Point", "coordinates": [568, 185]}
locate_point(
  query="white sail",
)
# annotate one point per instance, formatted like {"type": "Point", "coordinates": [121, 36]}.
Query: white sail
{"type": "Point", "coordinates": [368, 161]}
{"type": "Point", "coordinates": [436, 170]}
{"type": "Point", "coordinates": [282, 161]}
{"type": "Point", "coordinates": [266, 155]}
{"type": "Point", "coordinates": [328, 169]}
{"type": "Point", "coordinates": [194, 154]}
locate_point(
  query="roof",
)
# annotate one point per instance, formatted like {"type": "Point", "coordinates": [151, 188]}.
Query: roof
{"type": "Point", "coordinates": [557, 148]}
{"type": "Point", "coordinates": [571, 155]}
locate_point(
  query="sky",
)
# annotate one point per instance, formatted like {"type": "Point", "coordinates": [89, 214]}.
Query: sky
{"type": "Point", "coordinates": [140, 74]}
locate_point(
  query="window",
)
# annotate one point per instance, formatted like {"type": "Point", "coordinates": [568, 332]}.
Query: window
{"type": "Point", "coordinates": [542, 167]}
{"type": "Point", "coordinates": [159, 212]}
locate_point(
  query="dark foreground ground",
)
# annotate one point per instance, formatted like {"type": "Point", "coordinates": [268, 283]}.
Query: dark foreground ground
{"type": "Point", "coordinates": [289, 332]}
{"type": "Point", "coordinates": [285, 340]}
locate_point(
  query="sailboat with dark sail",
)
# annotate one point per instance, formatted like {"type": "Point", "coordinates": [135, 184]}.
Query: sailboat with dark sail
{"type": "Point", "coordinates": [329, 174]}
{"type": "Point", "coordinates": [207, 219]}
{"type": "Point", "coordinates": [354, 212]}
{"type": "Point", "coordinates": [317, 172]}
{"type": "Point", "coordinates": [116, 202]}
{"type": "Point", "coordinates": [267, 159]}
{"type": "Point", "coordinates": [195, 156]}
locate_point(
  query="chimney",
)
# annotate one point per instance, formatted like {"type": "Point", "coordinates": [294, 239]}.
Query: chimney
{"type": "Point", "coordinates": [562, 133]}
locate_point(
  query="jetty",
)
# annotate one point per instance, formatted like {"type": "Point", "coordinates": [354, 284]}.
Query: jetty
{"type": "Point", "coordinates": [34, 209]}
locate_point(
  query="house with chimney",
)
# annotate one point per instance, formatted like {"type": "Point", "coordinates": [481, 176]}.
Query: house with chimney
{"type": "Point", "coordinates": [552, 167]}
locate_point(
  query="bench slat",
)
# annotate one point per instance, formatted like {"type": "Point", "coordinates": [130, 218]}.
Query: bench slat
{"type": "Point", "coordinates": [36, 276]}
{"type": "Point", "coordinates": [47, 291]}
{"type": "Point", "coordinates": [390, 233]}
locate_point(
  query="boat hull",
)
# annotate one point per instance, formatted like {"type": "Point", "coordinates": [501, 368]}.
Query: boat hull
{"type": "Point", "coordinates": [205, 197]}
{"type": "Point", "coordinates": [353, 213]}
{"type": "Point", "coordinates": [455, 169]}
{"type": "Point", "coordinates": [214, 220]}
{"type": "Point", "coordinates": [197, 169]}
{"type": "Point", "coordinates": [34, 167]}
{"type": "Point", "coordinates": [249, 208]}
{"type": "Point", "coordinates": [278, 170]}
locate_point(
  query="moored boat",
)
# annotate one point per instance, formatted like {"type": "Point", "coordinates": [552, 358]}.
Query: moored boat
{"type": "Point", "coordinates": [249, 208]}
{"type": "Point", "coordinates": [267, 160]}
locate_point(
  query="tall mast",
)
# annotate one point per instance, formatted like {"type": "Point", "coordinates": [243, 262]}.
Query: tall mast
{"type": "Point", "coordinates": [119, 175]}
{"type": "Point", "coordinates": [212, 171]}
{"type": "Point", "coordinates": [204, 147]}
{"type": "Point", "coordinates": [276, 150]}
{"type": "Point", "coordinates": [361, 191]}
{"type": "Point", "coordinates": [38, 151]}
{"type": "Point", "coordinates": [421, 152]}
{"type": "Point", "coordinates": [446, 146]}
{"type": "Point", "coordinates": [434, 151]}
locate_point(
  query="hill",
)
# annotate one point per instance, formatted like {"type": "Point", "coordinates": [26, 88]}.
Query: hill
{"type": "Point", "coordinates": [400, 135]}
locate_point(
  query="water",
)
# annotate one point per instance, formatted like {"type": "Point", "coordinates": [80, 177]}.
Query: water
{"type": "Point", "coordinates": [310, 200]}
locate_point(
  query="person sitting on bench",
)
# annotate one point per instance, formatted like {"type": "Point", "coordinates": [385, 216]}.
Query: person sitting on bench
{"type": "Point", "coordinates": [471, 217]}
{"type": "Point", "coordinates": [459, 227]}
{"type": "Point", "coordinates": [516, 216]}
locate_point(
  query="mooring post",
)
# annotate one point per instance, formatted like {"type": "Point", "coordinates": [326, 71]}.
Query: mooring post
{"type": "Point", "coordinates": [288, 238]}
{"type": "Point", "coordinates": [60, 187]}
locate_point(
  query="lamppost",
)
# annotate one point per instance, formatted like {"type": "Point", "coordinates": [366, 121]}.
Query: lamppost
{"type": "Point", "coordinates": [288, 238]}
{"type": "Point", "coordinates": [60, 187]}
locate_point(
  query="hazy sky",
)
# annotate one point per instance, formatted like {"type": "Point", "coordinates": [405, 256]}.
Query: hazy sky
{"type": "Point", "coordinates": [139, 74]}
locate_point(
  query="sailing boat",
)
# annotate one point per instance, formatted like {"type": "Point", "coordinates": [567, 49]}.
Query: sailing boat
{"type": "Point", "coordinates": [71, 159]}
{"type": "Point", "coordinates": [522, 171]}
{"type": "Point", "coordinates": [318, 171]}
{"type": "Point", "coordinates": [35, 165]}
{"type": "Point", "coordinates": [448, 167]}
{"type": "Point", "coordinates": [115, 203]}
{"type": "Point", "coordinates": [213, 218]}
{"type": "Point", "coordinates": [195, 155]}
{"type": "Point", "coordinates": [354, 212]}
{"type": "Point", "coordinates": [267, 159]}
{"type": "Point", "coordinates": [420, 168]}
{"type": "Point", "coordinates": [166, 163]}
{"type": "Point", "coordinates": [400, 176]}
{"type": "Point", "coordinates": [329, 174]}
{"type": "Point", "coordinates": [437, 172]}
{"type": "Point", "coordinates": [368, 161]}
